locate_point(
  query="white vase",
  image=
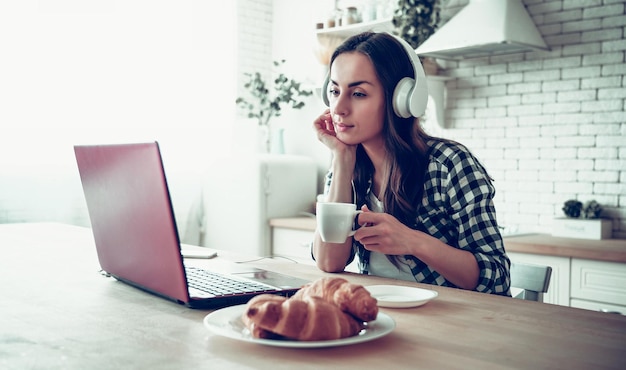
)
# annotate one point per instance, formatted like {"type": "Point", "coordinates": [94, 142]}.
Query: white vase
{"type": "Point", "coordinates": [277, 143]}
{"type": "Point", "coordinates": [264, 139]}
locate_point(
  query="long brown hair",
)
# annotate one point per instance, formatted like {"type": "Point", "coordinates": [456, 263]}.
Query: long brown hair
{"type": "Point", "coordinates": [405, 140]}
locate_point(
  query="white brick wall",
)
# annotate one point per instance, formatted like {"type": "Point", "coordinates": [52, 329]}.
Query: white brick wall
{"type": "Point", "coordinates": [549, 126]}
{"type": "Point", "coordinates": [254, 19]}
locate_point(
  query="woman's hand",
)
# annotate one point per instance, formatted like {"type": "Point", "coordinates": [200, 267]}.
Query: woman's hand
{"type": "Point", "coordinates": [325, 129]}
{"type": "Point", "coordinates": [382, 232]}
{"type": "Point", "coordinates": [344, 154]}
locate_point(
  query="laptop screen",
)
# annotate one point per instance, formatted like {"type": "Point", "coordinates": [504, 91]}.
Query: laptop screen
{"type": "Point", "coordinates": [131, 216]}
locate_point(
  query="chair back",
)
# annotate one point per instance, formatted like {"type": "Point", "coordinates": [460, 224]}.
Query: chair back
{"type": "Point", "coordinates": [534, 280]}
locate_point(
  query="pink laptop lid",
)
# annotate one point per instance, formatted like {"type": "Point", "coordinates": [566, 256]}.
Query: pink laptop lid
{"type": "Point", "coordinates": [131, 216]}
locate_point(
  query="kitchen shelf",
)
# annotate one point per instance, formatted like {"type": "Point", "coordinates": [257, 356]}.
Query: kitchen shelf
{"type": "Point", "coordinates": [380, 25]}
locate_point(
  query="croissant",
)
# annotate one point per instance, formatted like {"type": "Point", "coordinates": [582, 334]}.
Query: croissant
{"type": "Point", "coordinates": [255, 330]}
{"type": "Point", "coordinates": [307, 319]}
{"type": "Point", "coordinates": [350, 298]}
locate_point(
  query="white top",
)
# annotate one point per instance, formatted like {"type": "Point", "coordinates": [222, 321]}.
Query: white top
{"type": "Point", "coordinates": [379, 264]}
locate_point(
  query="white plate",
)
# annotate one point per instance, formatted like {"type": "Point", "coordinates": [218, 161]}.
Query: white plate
{"type": "Point", "coordinates": [396, 296]}
{"type": "Point", "coordinates": [227, 322]}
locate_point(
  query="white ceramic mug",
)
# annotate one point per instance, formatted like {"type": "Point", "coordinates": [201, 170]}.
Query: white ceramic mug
{"type": "Point", "coordinates": [335, 221]}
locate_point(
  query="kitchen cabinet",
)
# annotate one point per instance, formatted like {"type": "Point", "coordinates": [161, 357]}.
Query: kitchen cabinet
{"type": "Point", "coordinates": [292, 238]}
{"type": "Point", "coordinates": [598, 285]}
{"type": "Point", "coordinates": [587, 274]}
{"type": "Point", "coordinates": [292, 244]}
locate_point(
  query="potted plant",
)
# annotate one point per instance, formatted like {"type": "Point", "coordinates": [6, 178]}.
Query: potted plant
{"type": "Point", "coordinates": [263, 104]}
{"type": "Point", "coordinates": [582, 221]}
{"type": "Point", "coordinates": [415, 21]}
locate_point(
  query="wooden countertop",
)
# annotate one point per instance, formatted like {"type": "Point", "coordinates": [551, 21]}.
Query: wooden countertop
{"type": "Point", "coordinates": [84, 320]}
{"type": "Point", "coordinates": [611, 250]}
{"type": "Point", "coordinates": [296, 223]}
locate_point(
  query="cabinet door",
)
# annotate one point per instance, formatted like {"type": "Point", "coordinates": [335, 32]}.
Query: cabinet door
{"type": "Point", "coordinates": [599, 281]}
{"type": "Point", "coordinates": [296, 245]}
{"type": "Point", "coordinates": [293, 244]}
{"type": "Point", "coordinates": [559, 288]}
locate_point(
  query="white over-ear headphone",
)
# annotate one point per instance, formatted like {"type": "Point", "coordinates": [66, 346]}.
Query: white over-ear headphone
{"type": "Point", "coordinates": [410, 95]}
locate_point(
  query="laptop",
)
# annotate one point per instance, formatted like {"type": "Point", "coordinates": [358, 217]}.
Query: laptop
{"type": "Point", "coordinates": [137, 240]}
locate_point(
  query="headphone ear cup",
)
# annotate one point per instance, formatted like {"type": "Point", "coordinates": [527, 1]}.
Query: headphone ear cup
{"type": "Point", "coordinates": [419, 100]}
{"type": "Point", "coordinates": [324, 92]}
{"type": "Point", "coordinates": [402, 97]}
{"type": "Point", "coordinates": [411, 96]}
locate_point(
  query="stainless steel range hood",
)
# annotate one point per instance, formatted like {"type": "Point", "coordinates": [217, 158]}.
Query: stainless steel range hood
{"type": "Point", "coordinates": [483, 28]}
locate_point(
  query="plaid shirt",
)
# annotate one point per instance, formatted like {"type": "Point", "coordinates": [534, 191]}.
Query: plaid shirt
{"type": "Point", "coordinates": [457, 208]}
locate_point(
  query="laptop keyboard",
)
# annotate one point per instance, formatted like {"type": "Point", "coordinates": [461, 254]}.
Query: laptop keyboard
{"type": "Point", "coordinates": [205, 283]}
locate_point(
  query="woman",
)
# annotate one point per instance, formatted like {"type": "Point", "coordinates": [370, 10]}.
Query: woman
{"type": "Point", "coordinates": [428, 214]}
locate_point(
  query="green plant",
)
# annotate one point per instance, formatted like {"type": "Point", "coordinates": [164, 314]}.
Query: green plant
{"type": "Point", "coordinates": [575, 209]}
{"type": "Point", "coordinates": [264, 105]}
{"type": "Point", "coordinates": [572, 208]}
{"type": "Point", "coordinates": [592, 209]}
{"type": "Point", "coordinates": [416, 20]}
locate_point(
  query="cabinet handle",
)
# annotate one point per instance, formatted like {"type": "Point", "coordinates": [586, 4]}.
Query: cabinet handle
{"type": "Point", "coordinates": [606, 310]}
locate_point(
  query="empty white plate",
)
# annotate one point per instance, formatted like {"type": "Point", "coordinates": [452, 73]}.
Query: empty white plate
{"type": "Point", "coordinates": [396, 296]}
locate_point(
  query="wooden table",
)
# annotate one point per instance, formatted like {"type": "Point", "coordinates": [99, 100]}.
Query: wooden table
{"type": "Point", "coordinates": [57, 311]}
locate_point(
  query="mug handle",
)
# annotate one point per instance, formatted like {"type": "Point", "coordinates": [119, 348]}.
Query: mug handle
{"type": "Point", "coordinates": [356, 213]}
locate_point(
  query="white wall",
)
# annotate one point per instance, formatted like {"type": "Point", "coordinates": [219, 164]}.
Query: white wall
{"type": "Point", "coordinates": [548, 125]}
{"type": "Point", "coordinates": [272, 30]}
{"type": "Point", "coordinates": [99, 71]}
{"type": "Point", "coordinates": [294, 40]}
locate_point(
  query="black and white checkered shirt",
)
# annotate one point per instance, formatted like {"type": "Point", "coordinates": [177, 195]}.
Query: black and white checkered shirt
{"type": "Point", "coordinates": [457, 208]}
